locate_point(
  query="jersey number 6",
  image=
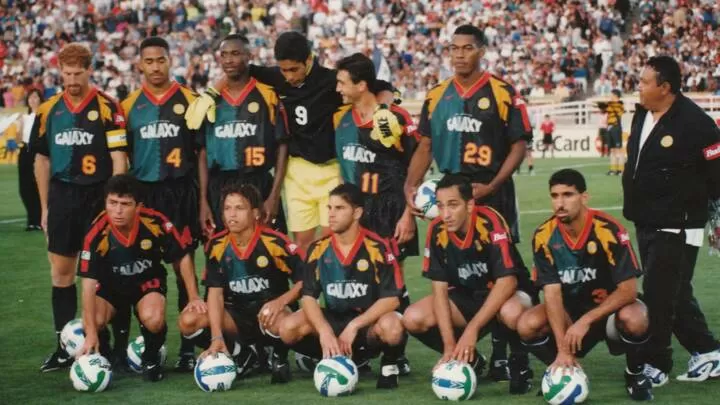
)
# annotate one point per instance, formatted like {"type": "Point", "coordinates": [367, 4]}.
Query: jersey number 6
{"type": "Point", "coordinates": [88, 165]}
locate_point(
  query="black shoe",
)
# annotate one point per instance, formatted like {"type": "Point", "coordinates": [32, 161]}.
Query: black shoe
{"type": "Point", "coordinates": [247, 361]}
{"type": "Point", "coordinates": [119, 362]}
{"type": "Point", "coordinates": [152, 371]}
{"type": "Point", "coordinates": [56, 361]}
{"type": "Point", "coordinates": [363, 367]}
{"type": "Point", "coordinates": [185, 363]}
{"type": "Point", "coordinates": [305, 363]}
{"type": "Point", "coordinates": [388, 378]}
{"type": "Point", "coordinates": [403, 365]}
{"type": "Point", "coordinates": [520, 374]}
{"type": "Point", "coordinates": [479, 364]}
{"type": "Point", "coordinates": [610, 173]}
{"type": "Point", "coordinates": [499, 370]}
{"type": "Point", "coordinates": [280, 371]}
{"type": "Point", "coordinates": [638, 386]}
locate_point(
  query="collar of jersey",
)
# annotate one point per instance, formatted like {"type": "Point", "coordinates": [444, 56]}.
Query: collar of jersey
{"type": "Point", "coordinates": [164, 98]}
{"type": "Point", "coordinates": [245, 254]}
{"type": "Point", "coordinates": [346, 260]}
{"type": "Point", "coordinates": [582, 239]}
{"type": "Point", "coordinates": [246, 90]}
{"type": "Point", "coordinates": [467, 241]}
{"type": "Point", "coordinates": [78, 108]}
{"type": "Point", "coordinates": [474, 88]}
{"type": "Point", "coordinates": [127, 242]}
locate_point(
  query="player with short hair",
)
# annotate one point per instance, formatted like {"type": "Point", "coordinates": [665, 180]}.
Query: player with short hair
{"type": "Point", "coordinates": [248, 267]}
{"type": "Point", "coordinates": [79, 141]}
{"type": "Point", "coordinates": [615, 110]}
{"type": "Point", "coordinates": [586, 266]}
{"type": "Point", "coordinates": [121, 266]}
{"type": "Point", "coordinates": [479, 282]}
{"type": "Point", "coordinates": [163, 156]}
{"type": "Point", "coordinates": [247, 139]}
{"type": "Point", "coordinates": [361, 283]}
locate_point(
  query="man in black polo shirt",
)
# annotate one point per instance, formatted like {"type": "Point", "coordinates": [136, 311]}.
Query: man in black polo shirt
{"type": "Point", "coordinates": [672, 171]}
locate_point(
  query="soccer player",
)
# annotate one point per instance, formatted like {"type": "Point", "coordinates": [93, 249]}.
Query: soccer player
{"type": "Point", "coordinates": [548, 128]}
{"type": "Point", "coordinates": [474, 124]}
{"type": "Point", "coordinates": [308, 92]}
{"type": "Point", "coordinates": [479, 282]}
{"type": "Point", "coordinates": [121, 266]}
{"type": "Point", "coordinates": [79, 140]}
{"type": "Point", "coordinates": [615, 110]}
{"type": "Point", "coordinates": [248, 267]}
{"type": "Point", "coordinates": [374, 145]}
{"type": "Point", "coordinates": [246, 140]}
{"type": "Point", "coordinates": [163, 156]}
{"type": "Point", "coordinates": [361, 283]}
{"type": "Point", "coordinates": [588, 271]}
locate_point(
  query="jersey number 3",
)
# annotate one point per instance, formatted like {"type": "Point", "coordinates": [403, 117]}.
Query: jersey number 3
{"type": "Point", "coordinates": [477, 155]}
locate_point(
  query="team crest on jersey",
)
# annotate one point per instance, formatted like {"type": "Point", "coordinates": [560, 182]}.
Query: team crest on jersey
{"type": "Point", "coordinates": [93, 115]}
{"type": "Point", "coordinates": [363, 265]}
{"type": "Point", "coordinates": [253, 107]}
{"type": "Point", "coordinates": [592, 247]}
{"type": "Point", "coordinates": [178, 109]}
{"type": "Point", "coordinates": [483, 103]}
{"type": "Point", "coordinates": [666, 141]}
{"type": "Point", "coordinates": [145, 244]}
{"type": "Point", "coordinates": [262, 262]}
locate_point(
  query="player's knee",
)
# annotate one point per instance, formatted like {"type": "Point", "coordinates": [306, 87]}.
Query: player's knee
{"type": "Point", "coordinates": [415, 320]}
{"type": "Point", "coordinates": [152, 318]}
{"type": "Point", "coordinates": [529, 326]}
{"type": "Point", "coordinates": [62, 270]}
{"type": "Point", "coordinates": [391, 329]}
{"type": "Point", "coordinates": [289, 330]}
{"type": "Point", "coordinates": [188, 322]}
{"type": "Point", "coordinates": [510, 314]}
{"type": "Point", "coordinates": [633, 320]}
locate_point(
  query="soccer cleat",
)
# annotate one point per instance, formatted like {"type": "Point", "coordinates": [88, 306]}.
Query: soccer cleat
{"type": "Point", "coordinates": [520, 374]}
{"type": "Point", "coordinates": [388, 378]}
{"type": "Point", "coordinates": [153, 371]}
{"type": "Point", "coordinates": [305, 363]}
{"type": "Point", "coordinates": [119, 361]}
{"type": "Point", "coordinates": [702, 366]}
{"type": "Point", "coordinates": [56, 361]}
{"type": "Point", "coordinates": [280, 370]}
{"type": "Point", "coordinates": [499, 370]}
{"type": "Point", "coordinates": [247, 361]}
{"type": "Point", "coordinates": [363, 367]}
{"type": "Point", "coordinates": [185, 363]}
{"type": "Point", "coordinates": [403, 365]}
{"type": "Point", "coordinates": [479, 364]}
{"type": "Point", "coordinates": [638, 387]}
{"type": "Point", "coordinates": [656, 376]}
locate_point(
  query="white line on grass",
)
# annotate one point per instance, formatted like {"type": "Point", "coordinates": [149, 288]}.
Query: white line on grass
{"type": "Point", "coordinates": [11, 221]}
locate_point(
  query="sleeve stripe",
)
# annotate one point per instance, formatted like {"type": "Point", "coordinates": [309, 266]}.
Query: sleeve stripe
{"type": "Point", "coordinates": [99, 225]}
{"type": "Point", "coordinates": [116, 138]}
{"type": "Point", "coordinates": [504, 244]}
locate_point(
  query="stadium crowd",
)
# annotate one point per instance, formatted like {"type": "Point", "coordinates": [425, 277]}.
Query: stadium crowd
{"type": "Point", "coordinates": [560, 49]}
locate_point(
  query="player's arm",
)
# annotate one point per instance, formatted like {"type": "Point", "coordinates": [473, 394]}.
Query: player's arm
{"type": "Point", "coordinates": [272, 204]}
{"type": "Point", "coordinates": [421, 159]}
{"type": "Point", "coordinates": [119, 162]}
{"type": "Point", "coordinates": [41, 166]}
{"type": "Point", "coordinates": [116, 135]}
{"type": "Point", "coordinates": [511, 163]}
{"type": "Point", "coordinates": [557, 317]}
{"type": "Point", "coordinates": [268, 75]}
{"type": "Point", "coordinates": [187, 272]}
{"type": "Point", "coordinates": [207, 223]}
{"type": "Point", "coordinates": [311, 292]}
{"type": "Point", "coordinates": [216, 310]}
{"type": "Point", "coordinates": [443, 316]}
{"type": "Point", "coordinates": [92, 344]}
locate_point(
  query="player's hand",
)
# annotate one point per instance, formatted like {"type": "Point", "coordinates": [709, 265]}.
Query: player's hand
{"type": "Point", "coordinates": [564, 360]}
{"type": "Point", "coordinates": [386, 127]}
{"type": "Point", "coordinates": [465, 347]}
{"type": "Point", "coordinates": [410, 193]}
{"type": "Point", "coordinates": [201, 108]}
{"type": "Point", "coordinates": [575, 334]}
{"type": "Point", "coordinates": [330, 345]}
{"type": "Point", "coordinates": [269, 312]}
{"type": "Point", "coordinates": [405, 228]}
{"type": "Point", "coordinates": [196, 305]}
{"type": "Point", "coordinates": [217, 346]}
{"type": "Point", "coordinates": [347, 337]}
{"type": "Point", "coordinates": [481, 190]}
{"type": "Point", "coordinates": [91, 345]}
{"type": "Point", "coordinates": [447, 356]}
{"type": "Point", "coordinates": [207, 224]}
{"type": "Point", "coordinates": [270, 210]}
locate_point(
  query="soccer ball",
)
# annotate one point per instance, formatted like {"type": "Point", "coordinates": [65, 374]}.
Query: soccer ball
{"type": "Point", "coordinates": [91, 373]}
{"type": "Point", "coordinates": [336, 376]}
{"type": "Point", "coordinates": [215, 373]}
{"type": "Point", "coordinates": [454, 381]}
{"type": "Point", "coordinates": [565, 386]}
{"type": "Point", "coordinates": [72, 337]}
{"type": "Point", "coordinates": [134, 354]}
{"type": "Point", "coordinates": [425, 199]}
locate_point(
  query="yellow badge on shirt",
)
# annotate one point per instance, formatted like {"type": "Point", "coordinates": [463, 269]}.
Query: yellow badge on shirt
{"type": "Point", "coordinates": [93, 115]}
{"type": "Point", "coordinates": [667, 141]}
{"type": "Point", "coordinates": [484, 103]}
{"type": "Point", "coordinates": [145, 244]}
{"type": "Point", "coordinates": [179, 109]}
{"type": "Point", "coordinates": [262, 261]}
{"type": "Point", "coordinates": [253, 107]}
{"type": "Point", "coordinates": [591, 247]}
{"type": "Point", "coordinates": [363, 265]}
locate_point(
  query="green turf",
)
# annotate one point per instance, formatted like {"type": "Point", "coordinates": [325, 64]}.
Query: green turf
{"type": "Point", "coordinates": [26, 335]}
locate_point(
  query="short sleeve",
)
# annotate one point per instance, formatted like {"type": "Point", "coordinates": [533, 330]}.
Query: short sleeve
{"type": "Point", "coordinates": [92, 260]}
{"type": "Point", "coordinates": [173, 246]}
{"type": "Point", "coordinates": [391, 280]}
{"type": "Point", "coordinates": [115, 128]}
{"type": "Point", "coordinates": [500, 249]}
{"type": "Point", "coordinates": [215, 277]}
{"type": "Point", "coordinates": [38, 140]}
{"type": "Point", "coordinates": [625, 264]}
{"type": "Point", "coordinates": [311, 274]}
{"type": "Point", "coordinates": [518, 124]}
{"type": "Point", "coordinates": [545, 271]}
{"type": "Point", "coordinates": [434, 261]}
{"type": "Point", "coordinates": [424, 128]}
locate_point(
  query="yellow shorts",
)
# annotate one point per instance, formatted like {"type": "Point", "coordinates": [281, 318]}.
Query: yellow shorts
{"type": "Point", "coordinates": [307, 186]}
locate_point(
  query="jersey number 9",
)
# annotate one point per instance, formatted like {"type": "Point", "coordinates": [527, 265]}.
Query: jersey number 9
{"type": "Point", "coordinates": [301, 115]}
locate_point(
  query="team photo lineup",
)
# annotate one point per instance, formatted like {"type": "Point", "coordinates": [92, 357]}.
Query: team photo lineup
{"type": "Point", "coordinates": [294, 200]}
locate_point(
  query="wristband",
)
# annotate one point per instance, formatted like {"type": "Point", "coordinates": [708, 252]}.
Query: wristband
{"type": "Point", "coordinates": [214, 338]}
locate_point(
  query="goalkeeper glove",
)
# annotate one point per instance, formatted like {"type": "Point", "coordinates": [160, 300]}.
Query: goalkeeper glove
{"type": "Point", "coordinates": [386, 127]}
{"type": "Point", "coordinates": [202, 107]}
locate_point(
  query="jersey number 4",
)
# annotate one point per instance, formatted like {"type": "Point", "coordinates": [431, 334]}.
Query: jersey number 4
{"type": "Point", "coordinates": [174, 158]}
{"type": "Point", "coordinates": [477, 154]}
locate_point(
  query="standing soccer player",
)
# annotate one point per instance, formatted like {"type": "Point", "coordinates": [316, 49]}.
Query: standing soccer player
{"type": "Point", "coordinates": [79, 140]}
{"type": "Point", "coordinates": [246, 138]}
{"type": "Point", "coordinates": [588, 271]}
{"type": "Point", "coordinates": [374, 145]}
{"type": "Point", "coordinates": [548, 128]}
{"type": "Point", "coordinates": [121, 267]}
{"type": "Point", "coordinates": [361, 284]}
{"type": "Point", "coordinates": [479, 283]}
{"type": "Point", "coordinates": [615, 110]}
{"type": "Point", "coordinates": [474, 124]}
{"type": "Point", "coordinates": [163, 156]}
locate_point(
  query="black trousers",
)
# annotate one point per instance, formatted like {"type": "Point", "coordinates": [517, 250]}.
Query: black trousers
{"type": "Point", "coordinates": [28, 186]}
{"type": "Point", "coordinates": [669, 265]}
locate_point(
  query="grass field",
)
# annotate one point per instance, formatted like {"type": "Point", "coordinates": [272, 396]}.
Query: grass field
{"type": "Point", "coordinates": [26, 335]}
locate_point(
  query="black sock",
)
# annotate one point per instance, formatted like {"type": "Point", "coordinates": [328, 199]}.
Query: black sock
{"type": "Point", "coordinates": [280, 349]}
{"type": "Point", "coordinates": [104, 342]}
{"type": "Point", "coordinates": [64, 306]}
{"type": "Point", "coordinates": [391, 354]}
{"type": "Point", "coordinates": [634, 358]}
{"type": "Point", "coordinates": [499, 342]}
{"type": "Point", "coordinates": [153, 343]}
{"type": "Point", "coordinates": [543, 348]}
{"type": "Point", "coordinates": [431, 338]}
{"type": "Point", "coordinates": [309, 346]}
{"type": "Point", "coordinates": [403, 344]}
{"type": "Point", "coordinates": [200, 338]}
{"type": "Point", "coordinates": [518, 351]}
{"type": "Point", "coordinates": [530, 168]}
{"type": "Point", "coordinates": [121, 329]}
{"type": "Point", "coordinates": [186, 346]}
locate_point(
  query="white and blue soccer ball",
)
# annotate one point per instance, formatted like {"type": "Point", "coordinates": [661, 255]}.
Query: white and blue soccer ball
{"type": "Point", "coordinates": [565, 386]}
{"type": "Point", "coordinates": [72, 337]}
{"type": "Point", "coordinates": [336, 376]}
{"type": "Point", "coordinates": [454, 381]}
{"type": "Point", "coordinates": [91, 373]}
{"type": "Point", "coordinates": [425, 199]}
{"type": "Point", "coordinates": [215, 372]}
{"type": "Point", "coordinates": [134, 354]}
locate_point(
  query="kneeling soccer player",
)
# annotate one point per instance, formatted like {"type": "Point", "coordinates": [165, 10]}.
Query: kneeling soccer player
{"type": "Point", "coordinates": [248, 294]}
{"type": "Point", "coordinates": [361, 282]}
{"type": "Point", "coordinates": [479, 282]}
{"type": "Point", "coordinates": [121, 267]}
{"type": "Point", "coordinates": [588, 271]}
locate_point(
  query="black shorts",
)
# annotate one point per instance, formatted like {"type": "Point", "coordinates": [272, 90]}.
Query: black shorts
{"type": "Point", "coordinates": [131, 295]}
{"type": "Point", "coordinates": [547, 139]}
{"type": "Point", "coordinates": [598, 333]}
{"type": "Point", "coordinates": [263, 181]}
{"type": "Point", "coordinates": [614, 136]}
{"type": "Point", "coordinates": [469, 303]}
{"type": "Point", "coordinates": [339, 321]}
{"type": "Point", "coordinates": [381, 214]}
{"type": "Point", "coordinates": [177, 199]}
{"type": "Point", "coordinates": [505, 202]}
{"type": "Point", "coordinates": [71, 210]}
{"type": "Point", "coordinates": [246, 321]}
